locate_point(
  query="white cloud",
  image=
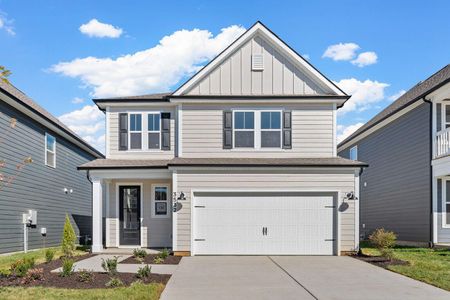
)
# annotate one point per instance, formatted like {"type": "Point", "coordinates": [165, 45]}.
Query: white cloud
{"type": "Point", "coordinates": [397, 95]}
{"type": "Point", "coordinates": [155, 69]}
{"type": "Point", "coordinates": [345, 131]}
{"type": "Point", "coordinates": [94, 28]}
{"type": "Point", "coordinates": [6, 24]}
{"type": "Point", "coordinates": [77, 100]}
{"type": "Point", "coordinates": [89, 123]}
{"type": "Point", "coordinates": [346, 51]}
{"type": "Point", "coordinates": [364, 94]}
{"type": "Point", "coordinates": [365, 59]}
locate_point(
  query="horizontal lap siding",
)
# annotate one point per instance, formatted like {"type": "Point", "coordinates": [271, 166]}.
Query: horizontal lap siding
{"type": "Point", "coordinates": [40, 187]}
{"type": "Point", "coordinates": [342, 181]}
{"type": "Point", "coordinates": [312, 132]}
{"type": "Point", "coordinates": [113, 138]}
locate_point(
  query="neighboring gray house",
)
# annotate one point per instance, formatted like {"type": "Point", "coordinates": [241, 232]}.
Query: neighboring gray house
{"type": "Point", "coordinates": [241, 159]}
{"type": "Point", "coordinates": [406, 189]}
{"type": "Point", "coordinates": [38, 171]}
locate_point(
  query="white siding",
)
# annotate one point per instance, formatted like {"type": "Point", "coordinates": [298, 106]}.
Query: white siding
{"type": "Point", "coordinates": [338, 180]}
{"type": "Point", "coordinates": [234, 76]}
{"type": "Point", "coordinates": [312, 132]}
{"type": "Point", "coordinates": [113, 136]}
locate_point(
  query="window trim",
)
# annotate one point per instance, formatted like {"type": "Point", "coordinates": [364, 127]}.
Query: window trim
{"type": "Point", "coordinates": [444, 203]}
{"type": "Point", "coordinates": [153, 201]}
{"type": "Point", "coordinates": [144, 132]}
{"type": "Point", "coordinates": [53, 152]}
{"type": "Point", "coordinates": [257, 130]}
{"type": "Point", "coordinates": [154, 131]}
{"type": "Point", "coordinates": [350, 152]}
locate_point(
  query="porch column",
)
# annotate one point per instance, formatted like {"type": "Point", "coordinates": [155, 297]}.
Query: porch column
{"type": "Point", "coordinates": [97, 215]}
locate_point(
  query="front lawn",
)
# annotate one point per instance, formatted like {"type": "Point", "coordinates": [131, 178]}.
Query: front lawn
{"type": "Point", "coordinates": [136, 291]}
{"type": "Point", "coordinates": [428, 265]}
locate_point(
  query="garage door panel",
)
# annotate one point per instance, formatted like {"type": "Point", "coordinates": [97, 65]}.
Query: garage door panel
{"type": "Point", "coordinates": [230, 224]}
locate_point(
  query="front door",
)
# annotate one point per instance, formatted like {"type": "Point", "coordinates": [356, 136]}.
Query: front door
{"type": "Point", "coordinates": [129, 215]}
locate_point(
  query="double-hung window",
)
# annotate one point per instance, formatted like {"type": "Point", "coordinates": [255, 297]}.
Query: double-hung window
{"type": "Point", "coordinates": [446, 116]}
{"type": "Point", "coordinates": [244, 129]}
{"type": "Point", "coordinates": [270, 129]}
{"type": "Point", "coordinates": [50, 150]}
{"type": "Point", "coordinates": [154, 130]}
{"type": "Point", "coordinates": [354, 153]}
{"type": "Point", "coordinates": [135, 132]}
{"type": "Point", "coordinates": [446, 203]}
{"type": "Point", "coordinates": [160, 201]}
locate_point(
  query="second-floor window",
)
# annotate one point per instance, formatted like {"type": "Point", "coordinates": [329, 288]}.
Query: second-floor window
{"type": "Point", "coordinates": [354, 153]}
{"type": "Point", "coordinates": [135, 131]}
{"type": "Point", "coordinates": [50, 150]}
{"type": "Point", "coordinates": [244, 129]}
{"type": "Point", "coordinates": [154, 130]}
{"type": "Point", "coordinates": [270, 129]}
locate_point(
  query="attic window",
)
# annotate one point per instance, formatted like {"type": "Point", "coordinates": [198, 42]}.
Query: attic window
{"type": "Point", "coordinates": [257, 62]}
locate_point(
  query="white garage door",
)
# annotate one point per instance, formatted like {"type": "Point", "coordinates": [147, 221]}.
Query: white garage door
{"type": "Point", "coordinates": [264, 223]}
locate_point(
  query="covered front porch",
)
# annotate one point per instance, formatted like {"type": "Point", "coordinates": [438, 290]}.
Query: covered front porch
{"type": "Point", "coordinates": [132, 208]}
{"type": "Point", "coordinates": [441, 201]}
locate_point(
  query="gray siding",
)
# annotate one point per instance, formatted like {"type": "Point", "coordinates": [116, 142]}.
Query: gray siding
{"type": "Point", "coordinates": [398, 190]}
{"type": "Point", "coordinates": [38, 186]}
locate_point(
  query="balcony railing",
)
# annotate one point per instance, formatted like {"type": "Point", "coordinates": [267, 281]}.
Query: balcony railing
{"type": "Point", "coordinates": [442, 143]}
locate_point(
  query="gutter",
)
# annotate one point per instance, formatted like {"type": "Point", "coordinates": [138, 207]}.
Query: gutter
{"type": "Point", "coordinates": [430, 242]}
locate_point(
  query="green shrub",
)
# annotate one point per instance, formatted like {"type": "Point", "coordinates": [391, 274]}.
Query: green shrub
{"type": "Point", "coordinates": [110, 265]}
{"type": "Point", "coordinates": [114, 282]}
{"type": "Point", "coordinates": [4, 273]}
{"type": "Point", "coordinates": [158, 260]}
{"type": "Point", "coordinates": [85, 276]}
{"type": "Point", "coordinates": [388, 253]}
{"type": "Point", "coordinates": [382, 239]}
{"type": "Point", "coordinates": [33, 275]}
{"type": "Point", "coordinates": [164, 253]}
{"type": "Point", "coordinates": [139, 253]}
{"type": "Point", "coordinates": [68, 239]}
{"type": "Point", "coordinates": [67, 267]}
{"type": "Point", "coordinates": [144, 272]}
{"type": "Point", "coordinates": [49, 254]}
{"type": "Point", "coordinates": [21, 267]}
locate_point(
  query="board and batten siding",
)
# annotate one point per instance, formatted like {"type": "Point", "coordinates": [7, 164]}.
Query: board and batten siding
{"type": "Point", "coordinates": [39, 187]}
{"type": "Point", "coordinates": [395, 188]}
{"type": "Point", "coordinates": [234, 76]}
{"type": "Point", "coordinates": [342, 181]}
{"type": "Point", "coordinates": [113, 136]}
{"type": "Point", "coordinates": [312, 131]}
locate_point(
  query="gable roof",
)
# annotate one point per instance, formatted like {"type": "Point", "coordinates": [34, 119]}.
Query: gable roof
{"type": "Point", "coordinates": [416, 93]}
{"type": "Point", "coordinates": [21, 98]}
{"type": "Point", "coordinates": [259, 28]}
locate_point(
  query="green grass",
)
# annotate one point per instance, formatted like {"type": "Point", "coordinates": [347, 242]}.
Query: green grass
{"type": "Point", "coordinates": [428, 265]}
{"type": "Point", "coordinates": [39, 256]}
{"type": "Point", "coordinates": [136, 291]}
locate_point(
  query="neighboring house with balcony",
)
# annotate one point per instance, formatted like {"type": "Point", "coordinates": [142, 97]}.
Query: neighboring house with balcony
{"type": "Point", "coordinates": [39, 156]}
{"type": "Point", "coordinates": [407, 145]}
{"type": "Point", "coordinates": [241, 159]}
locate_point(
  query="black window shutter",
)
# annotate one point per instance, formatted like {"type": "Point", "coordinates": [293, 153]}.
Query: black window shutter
{"type": "Point", "coordinates": [438, 117]}
{"type": "Point", "coordinates": [165, 131]}
{"type": "Point", "coordinates": [123, 131]}
{"type": "Point", "coordinates": [227, 129]}
{"type": "Point", "coordinates": [287, 130]}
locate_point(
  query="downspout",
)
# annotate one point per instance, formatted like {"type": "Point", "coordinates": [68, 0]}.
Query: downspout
{"type": "Point", "coordinates": [88, 176]}
{"type": "Point", "coordinates": [430, 242]}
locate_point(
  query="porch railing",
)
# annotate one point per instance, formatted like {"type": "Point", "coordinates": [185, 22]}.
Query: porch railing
{"type": "Point", "coordinates": [442, 143]}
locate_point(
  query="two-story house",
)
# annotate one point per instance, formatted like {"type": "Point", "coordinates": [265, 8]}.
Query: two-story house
{"type": "Point", "coordinates": [407, 145]}
{"type": "Point", "coordinates": [241, 159]}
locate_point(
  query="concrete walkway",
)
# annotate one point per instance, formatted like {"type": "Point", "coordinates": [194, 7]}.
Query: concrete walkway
{"type": "Point", "coordinates": [94, 264]}
{"type": "Point", "coordinates": [291, 277]}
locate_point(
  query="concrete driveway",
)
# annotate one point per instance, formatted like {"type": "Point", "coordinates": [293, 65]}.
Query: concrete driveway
{"type": "Point", "coordinates": [291, 277]}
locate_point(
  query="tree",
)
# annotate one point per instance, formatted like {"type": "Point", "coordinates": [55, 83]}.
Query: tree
{"type": "Point", "coordinates": [4, 73]}
{"type": "Point", "coordinates": [68, 238]}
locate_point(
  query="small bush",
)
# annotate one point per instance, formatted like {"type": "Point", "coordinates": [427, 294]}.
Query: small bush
{"type": "Point", "coordinates": [21, 267]}
{"type": "Point", "coordinates": [85, 276]}
{"type": "Point", "coordinates": [164, 253]}
{"type": "Point", "coordinates": [33, 275]}
{"type": "Point", "coordinates": [144, 272]}
{"type": "Point", "coordinates": [68, 239]}
{"type": "Point", "coordinates": [388, 253]}
{"type": "Point", "coordinates": [114, 282]}
{"type": "Point", "coordinates": [383, 239]}
{"type": "Point", "coordinates": [67, 267]}
{"type": "Point", "coordinates": [49, 254]}
{"type": "Point", "coordinates": [139, 253]}
{"type": "Point", "coordinates": [110, 265]}
{"type": "Point", "coordinates": [158, 260]}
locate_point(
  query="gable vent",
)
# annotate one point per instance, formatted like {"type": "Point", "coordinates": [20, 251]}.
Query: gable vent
{"type": "Point", "coordinates": [257, 62]}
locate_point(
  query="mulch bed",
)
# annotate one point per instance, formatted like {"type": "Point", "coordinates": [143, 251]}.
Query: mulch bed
{"type": "Point", "coordinates": [149, 259]}
{"type": "Point", "coordinates": [99, 280]}
{"type": "Point", "coordinates": [381, 261]}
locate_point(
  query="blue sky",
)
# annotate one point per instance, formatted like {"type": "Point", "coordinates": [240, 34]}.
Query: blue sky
{"type": "Point", "coordinates": [47, 51]}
